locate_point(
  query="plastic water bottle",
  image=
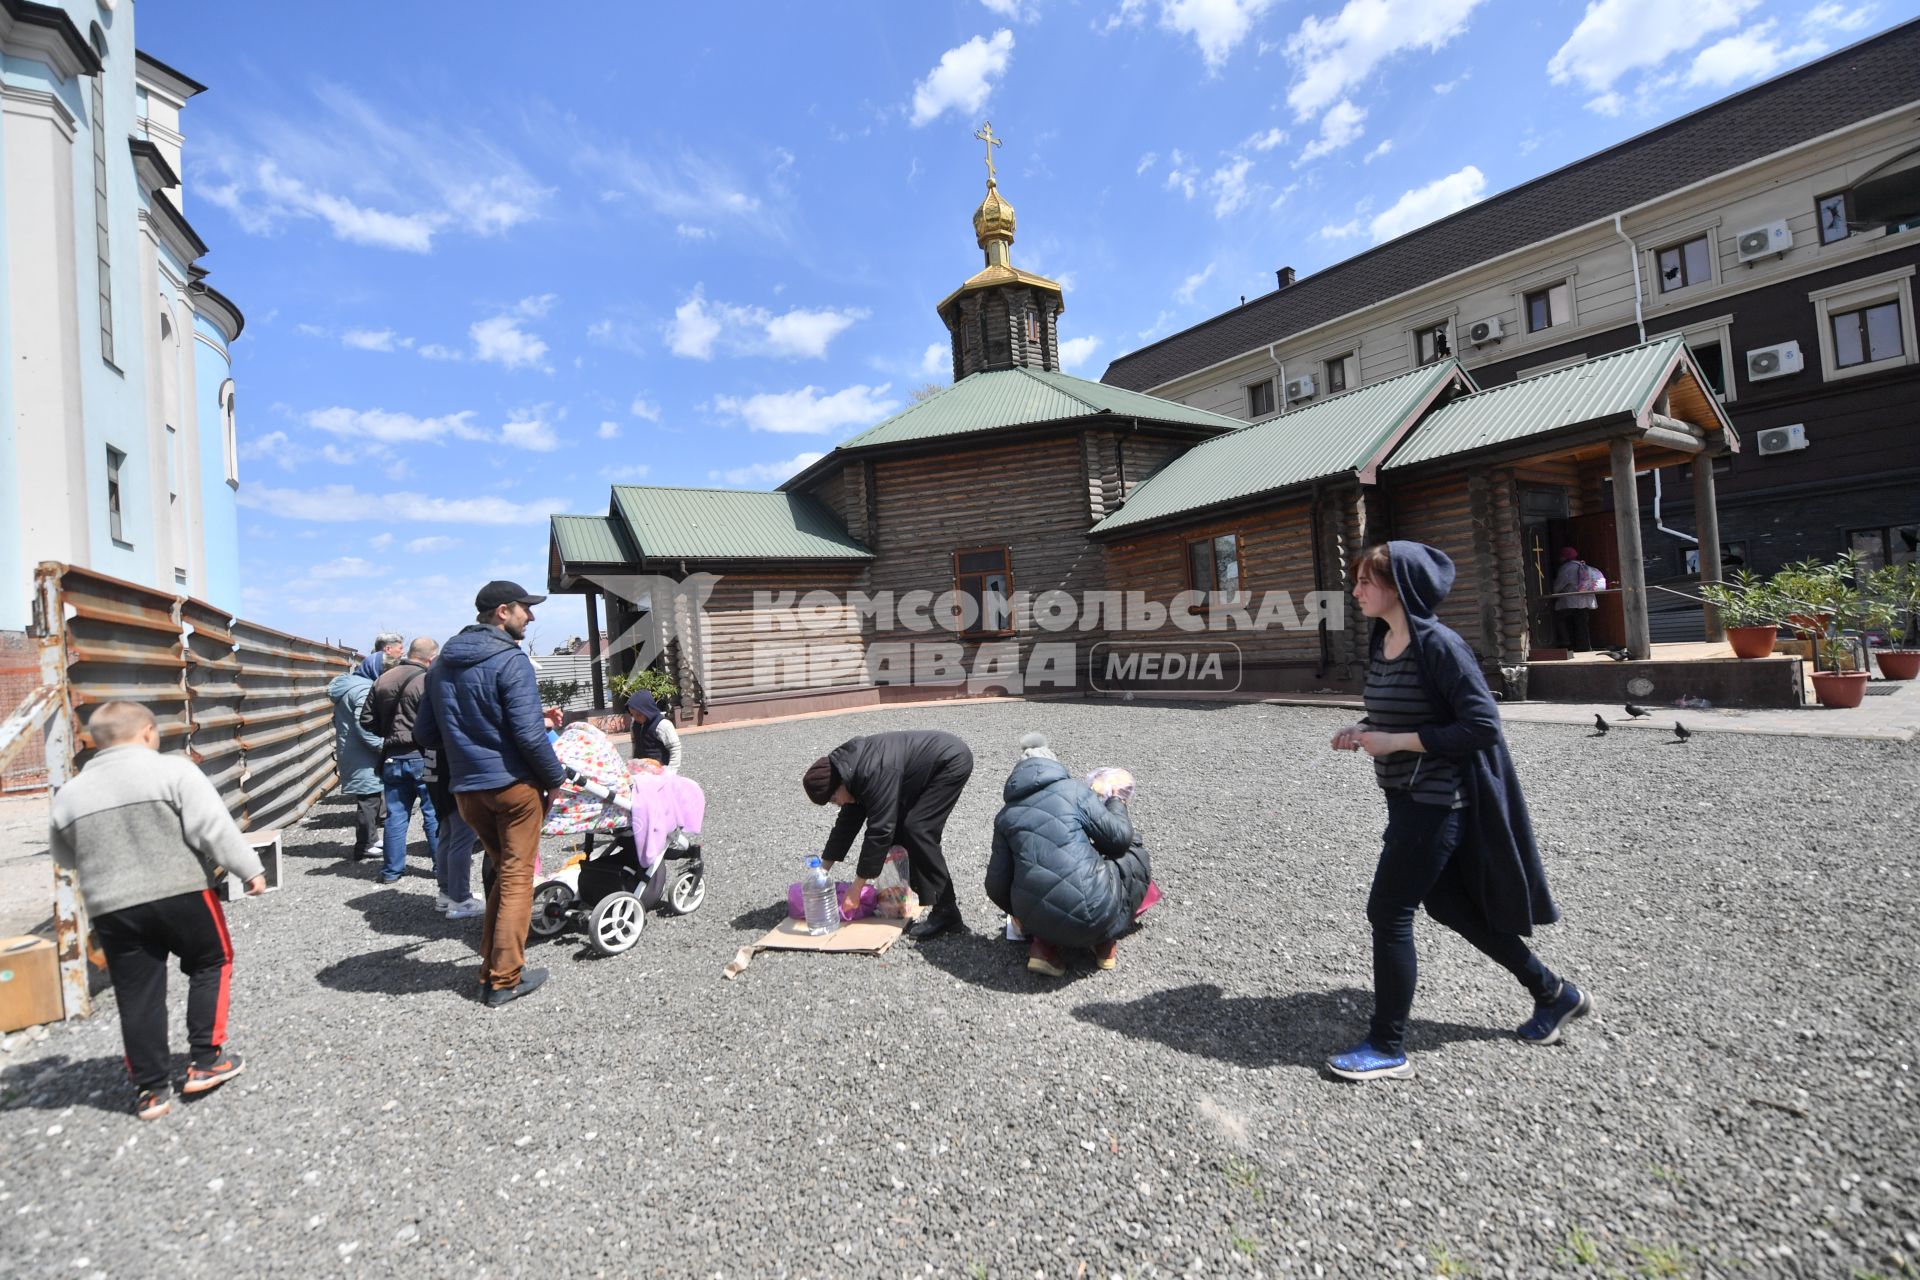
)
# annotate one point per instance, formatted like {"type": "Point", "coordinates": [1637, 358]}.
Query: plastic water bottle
{"type": "Point", "coordinates": [822, 903]}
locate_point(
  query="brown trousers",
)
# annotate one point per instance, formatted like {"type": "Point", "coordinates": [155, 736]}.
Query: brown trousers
{"type": "Point", "coordinates": [507, 823]}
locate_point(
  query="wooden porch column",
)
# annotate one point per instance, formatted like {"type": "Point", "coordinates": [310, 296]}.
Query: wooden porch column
{"type": "Point", "coordinates": [1706, 527]}
{"type": "Point", "coordinates": [593, 650]}
{"type": "Point", "coordinates": [1633, 561]}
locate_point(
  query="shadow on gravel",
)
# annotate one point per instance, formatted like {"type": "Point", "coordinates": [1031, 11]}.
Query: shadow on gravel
{"type": "Point", "coordinates": [760, 919]}
{"type": "Point", "coordinates": [397, 971]}
{"type": "Point", "coordinates": [404, 911]}
{"type": "Point", "coordinates": [59, 1082]}
{"type": "Point", "coordinates": [989, 961]}
{"type": "Point", "coordinates": [1297, 1030]}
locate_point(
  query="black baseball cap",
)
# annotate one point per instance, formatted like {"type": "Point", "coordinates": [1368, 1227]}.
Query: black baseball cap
{"type": "Point", "coordinates": [499, 592]}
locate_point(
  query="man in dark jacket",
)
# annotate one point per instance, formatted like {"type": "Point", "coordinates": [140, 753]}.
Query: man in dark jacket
{"type": "Point", "coordinates": [391, 710]}
{"type": "Point", "coordinates": [481, 712]}
{"type": "Point", "coordinates": [900, 787]}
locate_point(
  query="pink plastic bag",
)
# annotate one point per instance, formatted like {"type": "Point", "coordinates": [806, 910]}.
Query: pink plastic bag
{"type": "Point", "coordinates": [797, 908]}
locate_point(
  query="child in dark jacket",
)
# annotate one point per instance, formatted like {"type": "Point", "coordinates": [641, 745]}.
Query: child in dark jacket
{"type": "Point", "coordinates": [1458, 838]}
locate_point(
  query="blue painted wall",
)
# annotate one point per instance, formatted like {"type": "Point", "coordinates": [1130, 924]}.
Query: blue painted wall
{"type": "Point", "coordinates": [220, 500]}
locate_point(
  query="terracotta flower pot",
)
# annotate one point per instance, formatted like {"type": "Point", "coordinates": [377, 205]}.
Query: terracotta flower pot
{"type": "Point", "coordinates": [1839, 689]}
{"type": "Point", "coordinates": [1899, 664]}
{"type": "Point", "coordinates": [1752, 642]}
{"type": "Point", "coordinates": [1816, 624]}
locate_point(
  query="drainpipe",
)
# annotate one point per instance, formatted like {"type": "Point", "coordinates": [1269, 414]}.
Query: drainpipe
{"type": "Point", "coordinates": [1703, 458]}
{"type": "Point", "coordinates": [1320, 584]}
{"type": "Point", "coordinates": [1280, 379]}
{"type": "Point", "coordinates": [1639, 312]}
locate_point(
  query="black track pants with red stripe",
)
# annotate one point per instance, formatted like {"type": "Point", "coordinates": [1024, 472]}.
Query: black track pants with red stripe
{"type": "Point", "coordinates": [138, 942]}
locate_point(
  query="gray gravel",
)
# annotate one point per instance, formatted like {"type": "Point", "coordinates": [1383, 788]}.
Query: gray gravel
{"type": "Point", "coordinates": [1743, 1104]}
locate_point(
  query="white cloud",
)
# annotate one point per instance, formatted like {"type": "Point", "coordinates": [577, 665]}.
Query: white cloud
{"type": "Point", "coordinates": [625, 473]}
{"type": "Point", "coordinates": [372, 179]}
{"type": "Point", "coordinates": [1131, 13]}
{"type": "Point", "coordinates": [433, 542]}
{"type": "Point", "coordinates": [366, 429]}
{"type": "Point", "coordinates": [1446, 87]}
{"type": "Point", "coordinates": [1215, 26]}
{"type": "Point", "coordinates": [1147, 162]}
{"type": "Point", "coordinates": [1341, 126]}
{"type": "Point", "coordinates": [699, 327]}
{"type": "Point", "coordinates": [1750, 55]}
{"type": "Point", "coordinates": [1075, 352]}
{"type": "Point", "coordinates": [344, 567]}
{"type": "Point", "coordinates": [1425, 204]}
{"type": "Point", "coordinates": [808, 410]}
{"type": "Point", "coordinates": [1191, 285]}
{"type": "Point", "coordinates": [936, 359]}
{"type": "Point", "coordinates": [1181, 175]}
{"type": "Point", "coordinates": [532, 433]}
{"type": "Point", "coordinates": [1615, 37]}
{"type": "Point", "coordinates": [1267, 141]}
{"type": "Point", "coordinates": [276, 447]}
{"type": "Point", "coordinates": [963, 79]}
{"type": "Point", "coordinates": [1332, 57]}
{"type": "Point", "coordinates": [1386, 145]}
{"type": "Point", "coordinates": [500, 339]}
{"type": "Point", "coordinates": [374, 339]}
{"type": "Point", "coordinates": [766, 473]}
{"type": "Point", "coordinates": [343, 503]}
{"type": "Point", "coordinates": [1340, 231]}
{"type": "Point", "coordinates": [1013, 10]}
{"type": "Point", "coordinates": [644, 409]}
{"type": "Point", "coordinates": [380, 541]}
{"type": "Point", "coordinates": [694, 189]}
{"type": "Point", "coordinates": [1228, 186]}
{"type": "Point", "coordinates": [1837, 17]}
{"type": "Point", "coordinates": [609, 431]}
{"type": "Point", "coordinates": [434, 351]}
{"type": "Point", "coordinates": [687, 231]}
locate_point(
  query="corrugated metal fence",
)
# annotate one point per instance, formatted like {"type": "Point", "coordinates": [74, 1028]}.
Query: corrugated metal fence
{"type": "Point", "coordinates": [565, 667]}
{"type": "Point", "coordinates": [245, 703]}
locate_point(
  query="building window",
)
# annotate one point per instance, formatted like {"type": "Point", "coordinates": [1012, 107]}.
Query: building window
{"type": "Point", "coordinates": [115, 459]}
{"type": "Point", "coordinates": [1213, 566]}
{"type": "Point", "coordinates": [1431, 344]}
{"type": "Point", "coordinates": [229, 433]}
{"type": "Point", "coordinates": [1712, 359]}
{"type": "Point", "coordinates": [1686, 265]}
{"type": "Point", "coordinates": [1889, 544]}
{"type": "Point", "coordinates": [1867, 336]}
{"type": "Point", "coordinates": [1337, 373]}
{"type": "Point", "coordinates": [1260, 399]}
{"type": "Point", "coordinates": [1836, 217]}
{"type": "Point", "coordinates": [1549, 306]}
{"type": "Point", "coordinates": [97, 125]}
{"type": "Point", "coordinates": [1033, 328]}
{"type": "Point", "coordinates": [985, 577]}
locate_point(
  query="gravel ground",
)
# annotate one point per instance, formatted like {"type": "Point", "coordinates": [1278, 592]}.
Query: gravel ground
{"type": "Point", "coordinates": [1742, 908]}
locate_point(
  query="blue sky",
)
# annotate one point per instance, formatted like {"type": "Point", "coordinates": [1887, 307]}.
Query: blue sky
{"type": "Point", "coordinates": [494, 261]}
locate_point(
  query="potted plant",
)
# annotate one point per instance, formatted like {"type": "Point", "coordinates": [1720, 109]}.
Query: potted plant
{"type": "Point", "coordinates": [1801, 587]}
{"type": "Point", "coordinates": [1833, 595]}
{"type": "Point", "coordinates": [1896, 591]}
{"type": "Point", "coordinates": [1750, 611]}
{"type": "Point", "coordinates": [658, 683]}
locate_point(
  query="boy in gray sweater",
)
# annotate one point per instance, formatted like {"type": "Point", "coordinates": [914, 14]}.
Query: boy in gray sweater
{"type": "Point", "coordinates": [143, 833]}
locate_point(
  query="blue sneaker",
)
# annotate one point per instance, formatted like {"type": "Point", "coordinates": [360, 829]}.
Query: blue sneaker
{"type": "Point", "coordinates": [1549, 1016]}
{"type": "Point", "coordinates": [1364, 1062]}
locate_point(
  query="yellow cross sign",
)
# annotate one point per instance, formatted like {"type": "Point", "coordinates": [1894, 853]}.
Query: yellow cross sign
{"type": "Point", "coordinates": [985, 134]}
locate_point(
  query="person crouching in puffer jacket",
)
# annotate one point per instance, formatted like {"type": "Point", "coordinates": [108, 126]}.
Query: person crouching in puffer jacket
{"type": "Point", "coordinates": [1066, 864]}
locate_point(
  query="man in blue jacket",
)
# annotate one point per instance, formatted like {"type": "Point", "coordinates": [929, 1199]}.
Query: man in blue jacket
{"type": "Point", "coordinates": [481, 712]}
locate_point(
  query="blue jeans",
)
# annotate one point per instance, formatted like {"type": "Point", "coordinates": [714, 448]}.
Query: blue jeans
{"type": "Point", "coordinates": [453, 856]}
{"type": "Point", "coordinates": [405, 780]}
{"type": "Point", "coordinates": [1417, 867]}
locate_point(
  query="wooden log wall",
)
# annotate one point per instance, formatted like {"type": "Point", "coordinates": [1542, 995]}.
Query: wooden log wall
{"type": "Point", "coordinates": [1438, 510]}
{"type": "Point", "coordinates": [746, 651]}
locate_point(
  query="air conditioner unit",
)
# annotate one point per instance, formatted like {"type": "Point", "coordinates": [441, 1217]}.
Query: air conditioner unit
{"type": "Point", "coordinates": [1774, 362]}
{"type": "Point", "coordinates": [1481, 332]}
{"type": "Point", "coordinates": [1301, 388]}
{"type": "Point", "coordinates": [1762, 242]}
{"type": "Point", "coordinates": [1781, 439]}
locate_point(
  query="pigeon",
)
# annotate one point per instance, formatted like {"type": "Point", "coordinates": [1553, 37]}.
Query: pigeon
{"type": "Point", "coordinates": [1600, 722]}
{"type": "Point", "coordinates": [1681, 731]}
{"type": "Point", "coordinates": [1618, 655]}
{"type": "Point", "coordinates": [1637, 712]}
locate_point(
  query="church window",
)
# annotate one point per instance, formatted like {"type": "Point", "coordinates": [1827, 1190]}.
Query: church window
{"type": "Point", "coordinates": [1260, 399]}
{"type": "Point", "coordinates": [1213, 566]}
{"type": "Point", "coordinates": [1033, 328]}
{"type": "Point", "coordinates": [97, 125]}
{"type": "Point", "coordinates": [229, 433]}
{"type": "Point", "coordinates": [983, 577]}
{"type": "Point", "coordinates": [115, 459]}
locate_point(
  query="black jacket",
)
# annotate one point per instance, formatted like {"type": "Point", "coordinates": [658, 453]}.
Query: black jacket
{"type": "Point", "coordinates": [886, 772]}
{"type": "Point", "coordinates": [1065, 864]}
{"type": "Point", "coordinates": [393, 706]}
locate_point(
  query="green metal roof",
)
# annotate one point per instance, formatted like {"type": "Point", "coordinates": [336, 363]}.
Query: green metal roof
{"type": "Point", "coordinates": [1332, 437]}
{"type": "Point", "coordinates": [731, 524]}
{"type": "Point", "coordinates": [1623, 382]}
{"type": "Point", "coordinates": [591, 540]}
{"type": "Point", "coordinates": [999, 398]}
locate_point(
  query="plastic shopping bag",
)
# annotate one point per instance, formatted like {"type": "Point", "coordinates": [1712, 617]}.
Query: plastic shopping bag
{"type": "Point", "coordinates": [895, 898]}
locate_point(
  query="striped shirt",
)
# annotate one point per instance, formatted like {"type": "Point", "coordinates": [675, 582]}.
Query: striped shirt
{"type": "Point", "coordinates": [1397, 703]}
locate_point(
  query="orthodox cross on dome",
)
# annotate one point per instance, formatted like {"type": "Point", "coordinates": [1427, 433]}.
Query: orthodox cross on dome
{"type": "Point", "coordinates": [985, 134]}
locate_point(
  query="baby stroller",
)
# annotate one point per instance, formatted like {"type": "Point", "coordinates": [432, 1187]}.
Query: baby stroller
{"type": "Point", "coordinates": [644, 845]}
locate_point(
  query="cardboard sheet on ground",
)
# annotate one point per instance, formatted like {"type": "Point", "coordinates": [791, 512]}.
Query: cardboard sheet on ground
{"type": "Point", "coordinates": [869, 937]}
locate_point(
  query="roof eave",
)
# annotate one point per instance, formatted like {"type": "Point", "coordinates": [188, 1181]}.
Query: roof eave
{"type": "Point", "coordinates": [1218, 510]}
{"type": "Point", "coordinates": [1368, 471]}
{"type": "Point", "coordinates": [47, 30]}
{"type": "Point", "coordinates": [1571, 436]}
{"type": "Point", "coordinates": [178, 83]}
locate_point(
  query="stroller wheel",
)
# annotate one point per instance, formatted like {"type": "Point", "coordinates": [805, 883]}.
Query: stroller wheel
{"type": "Point", "coordinates": [615, 923]}
{"type": "Point", "coordinates": [688, 891]}
{"type": "Point", "coordinates": [552, 902]}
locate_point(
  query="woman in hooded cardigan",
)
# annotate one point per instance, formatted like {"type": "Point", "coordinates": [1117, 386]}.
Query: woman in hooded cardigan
{"type": "Point", "coordinates": [653, 736]}
{"type": "Point", "coordinates": [1458, 838]}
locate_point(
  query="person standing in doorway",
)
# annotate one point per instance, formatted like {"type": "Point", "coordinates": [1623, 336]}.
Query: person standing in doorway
{"type": "Point", "coordinates": [483, 716]}
{"type": "Point", "coordinates": [144, 834]}
{"type": "Point", "coordinates": [1458, 837]}
{"type": "Point", "coordinates": [391, 711]}
{"type": "Point", "coordinates": [1573, 603]}
{"type": "Point", "coordinates": [899, 788]}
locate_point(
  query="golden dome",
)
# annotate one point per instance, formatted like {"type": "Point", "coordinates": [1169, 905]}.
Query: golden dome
{"type": "Point", "coordinates": [993, 220]}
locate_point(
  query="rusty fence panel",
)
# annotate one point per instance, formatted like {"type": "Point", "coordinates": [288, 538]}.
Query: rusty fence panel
{"type": "Point", "coordinates": [247, 704]}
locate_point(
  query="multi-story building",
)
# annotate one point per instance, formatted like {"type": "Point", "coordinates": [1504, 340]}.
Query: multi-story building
{"type": "Point", "coordinates": [117, 437]}
{"type": "Point", "coordinates": [1777, 231]}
